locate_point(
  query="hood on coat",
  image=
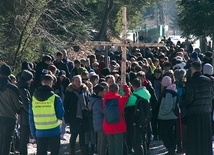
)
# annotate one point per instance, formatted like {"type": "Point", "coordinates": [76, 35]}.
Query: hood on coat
{"type": "Point", "coordinates": [94, 98]}
{"type": "Point", "coordinates": [143, 92]}
{"type": "Point", "coordinates": [172, 87]}
{"type": "Point", "coordinates": [72, 88]}
{"type": "Point", "coordinates": [43, 93]}
{"type": "Point", "coordinates": [111, 95]}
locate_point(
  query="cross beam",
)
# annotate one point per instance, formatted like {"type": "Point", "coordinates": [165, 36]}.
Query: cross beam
{"type": "Point", "coordinates": [103, 43]}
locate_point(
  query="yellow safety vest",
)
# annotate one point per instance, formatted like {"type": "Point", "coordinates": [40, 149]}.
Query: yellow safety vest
{"type": "Point", "coordinates": [44, 113]}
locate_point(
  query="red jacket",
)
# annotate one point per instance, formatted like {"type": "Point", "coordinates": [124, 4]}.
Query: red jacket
{"type": "Point", "coordinates": [119, 127]}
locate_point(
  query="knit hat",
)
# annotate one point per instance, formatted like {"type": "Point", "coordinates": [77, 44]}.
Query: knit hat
{"type": "Point", "coordinates": [208, 69]}
{"type": "Point", "coordinates": [166, 81]}
{"type": "Point", "coordinates": [194, 55]}
{"type": "Point", "coordinates": [105, 71]}
{"type": "Point", "coordinates": [179, 74]}
{"type": "Point", "coordinates": [26, 75]}
{"type": "Point", "coordinates": [5, 70]}
{"type": "Point", "coordinates": [179, 58]}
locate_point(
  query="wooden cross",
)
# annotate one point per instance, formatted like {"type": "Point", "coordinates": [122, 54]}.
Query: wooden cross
{"type": "Point", "coordinates": [123, 46]}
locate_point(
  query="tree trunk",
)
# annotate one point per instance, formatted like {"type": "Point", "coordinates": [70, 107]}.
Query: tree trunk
{"type": "Point", "coordinates": [20, 41]}
{"type": "Point", "coordinates": [103, 28]}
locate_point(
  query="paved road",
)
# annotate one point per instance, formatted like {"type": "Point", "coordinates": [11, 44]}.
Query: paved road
{"type": "Point", "coordinates": [156, 147]}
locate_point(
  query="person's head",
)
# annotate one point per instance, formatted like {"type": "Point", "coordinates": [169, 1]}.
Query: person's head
{"type": "Point", "coordinates": [157, 73]}
{"type": "Point", "coordinates": [65, 53]}
{"type": "Point", "coordinates": [166, 81]}
{"type": "Point", "coordinates": [117, 78]}
{"type": "Point", "coordinates": [87, 62]}
{"type": "Point", "coordinates": [47, 59]}
{"type": "Point", "coordinates": [99, 90]}
{"type": "Point", "coordinates": [92, 59]}
{"type": "Point", "coordinates": [110, 79]}
{"type": "Point", "coordinates": [208, 69]}
{"type": "Point", "coordinates": [85, 76]}
{"type": "Point", "coordinates": [5, 70]}
{"type": "Point", "coordinates": [196, 67]}
{"type": "Point", "coordinates": [27, 76]}
{"type": "Point", "coordinates": [25, 65]}
{"type": "Point", "coordinates": [47, 80]}
{"type": "Point", "coordinates": [82, 61]}
{"type": "Point", "coordinates": [156, 62]}
{"type": "Point", "coordinates": [136, 83]}
{"type": "Point", "coordinates": [94, 79]}
{"type": "Point", "coordinates": [12, 78]}
{"type": "Point", "coordinates": [114, 88]}
{"type": "Point", "coordinates": [161, 57]}
{"type": "Point", "coordinates": [132, 59]}
{"type": "Point", "coordinates": [170, 73]}
{"type": "Point", "coordinates": [179, 74]}
{"type": "Point", "coordinates": [102, 80]}
{"type": "Point", "coordinates": [105, 71]}
{"type": "Point", "coordinates": [137, 68]}
{"type": "Point", "coordinates": [149, 60]}
{"type": "Point", "coordinates": [59, 56]}
{"type": "Point", "coordinates": [95, 66]}
{"type": "Point", "coordinates": [167, 66]}
{"type": "Point", "coordinates": [138, 55]}
{"type": "Point", "coordinates": [52, 68]}
{"type": "Point", "coordinates": [134, 64]}
{"type": "Point", "coordinates": [90, 86]}
{"type": "Point", "coordinates": [141, 75]}
{"type": "Point", "coordinates": [105, 85]}
{"type": "Point", "coordinates": [194, 56]}
{"type": "Point", "coordinates": [77, 81]}
{"type": "Point", "coordinates": [77, 64]}
{"type": "Point", "coordinates": [62, 75]}
{"type": "Point", "coordinates": [102, 58]}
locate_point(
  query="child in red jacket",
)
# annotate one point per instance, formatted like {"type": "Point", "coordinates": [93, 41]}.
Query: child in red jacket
{"type": "Point", "coordinates": [115, 131]}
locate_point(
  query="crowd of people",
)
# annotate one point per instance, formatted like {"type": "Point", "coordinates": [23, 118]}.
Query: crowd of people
{"type": "Point", "coordinates": [45, 97]}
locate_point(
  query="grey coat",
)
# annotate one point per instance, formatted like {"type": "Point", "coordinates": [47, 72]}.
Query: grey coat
{"type": "Point", "coordinates": [167, 105]}
{"type": "Point", "coordinates": [96, 103]}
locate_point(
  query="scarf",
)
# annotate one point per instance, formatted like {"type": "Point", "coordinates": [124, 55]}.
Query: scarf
{"type": "Point", "coordinates": [81, 104]}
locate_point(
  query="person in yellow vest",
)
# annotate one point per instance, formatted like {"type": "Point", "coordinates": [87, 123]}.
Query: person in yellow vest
{"type": "Point", "coordinates": [45, 114]}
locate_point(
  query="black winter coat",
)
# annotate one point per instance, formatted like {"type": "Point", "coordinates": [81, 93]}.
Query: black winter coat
{"type": "Point", "coordinates": [24, 92]}
{"type": "Point", "coordinates": [70, 106]}
{"type": "Point", "coordinates": [10, 102]}
{"type": "Point", "coordinates": [198, 94]}
{"type": "Point", "coordinates": [149, 87]}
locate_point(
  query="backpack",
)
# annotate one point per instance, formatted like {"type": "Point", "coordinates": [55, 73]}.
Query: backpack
{"type": "Point", "coordinates": [143, 112]}
{"type": "Point", "coordinates": [180, 86]}
{"type": "Point", "coordinates": [176, 109]}
{"type": "Point", "coordinates": [111, 111]}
